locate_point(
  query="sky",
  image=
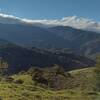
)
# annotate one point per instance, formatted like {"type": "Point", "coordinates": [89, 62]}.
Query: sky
{"type": "Point", "coordinates": [51, 9]}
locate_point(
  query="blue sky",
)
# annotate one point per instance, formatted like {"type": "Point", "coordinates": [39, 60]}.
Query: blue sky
{"type": "Point", "coordinates": [51, 9]}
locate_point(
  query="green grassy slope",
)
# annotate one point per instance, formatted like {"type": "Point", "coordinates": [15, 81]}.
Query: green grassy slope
{"type": "Point", "coordinates": [80, 87]}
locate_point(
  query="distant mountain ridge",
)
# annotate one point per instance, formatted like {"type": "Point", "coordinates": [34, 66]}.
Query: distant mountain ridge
{"type": "Point", "coordinates": [31, 36]}
{"type": "Point", "coordinates": [62, 45]}
{"type": "Point", "coordinates": [19, 58]}
{"type": "Point", "coordinates": [58, 37]}
{"type": "Point", "coordinates": [36, 33]}
{"type": "Point", "coordinates": [80, 40]}
{"type": "Point", "coordinates": [72, 21]}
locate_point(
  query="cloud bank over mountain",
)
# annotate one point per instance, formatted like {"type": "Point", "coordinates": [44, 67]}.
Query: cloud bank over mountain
{"type": "Point", "coordinates": [73, 21]}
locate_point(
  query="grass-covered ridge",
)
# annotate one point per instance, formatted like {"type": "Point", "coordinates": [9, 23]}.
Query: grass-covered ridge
{"type": "Point", "coordinates": [79, 86]}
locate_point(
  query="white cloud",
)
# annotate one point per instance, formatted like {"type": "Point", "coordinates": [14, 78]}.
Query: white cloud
{"type": "Point", "coordinates": [73, 21]}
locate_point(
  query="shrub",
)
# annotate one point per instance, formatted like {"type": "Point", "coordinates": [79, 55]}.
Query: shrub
{"type": "Point", "coordinates": [19, 81]}
{"type": "Point", "coordinates": [9, 79]}
{"type": "Point", "coordinates": [39, 78]}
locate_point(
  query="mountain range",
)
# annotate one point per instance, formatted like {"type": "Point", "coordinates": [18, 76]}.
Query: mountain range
{"type": "Point", "coordinates": [72, 21]}
{"type": "Point", "coordinates": [19, 58]}
{"type": "Point", "coordinates": [25, 43]}
{"type": "Point", "coordinates": [57, 37]}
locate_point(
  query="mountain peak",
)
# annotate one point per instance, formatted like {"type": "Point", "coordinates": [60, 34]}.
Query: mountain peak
{"type": "Point", "coordinates": [81, 23]}
{"type": "Point", "coordinates": [72, 21]}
